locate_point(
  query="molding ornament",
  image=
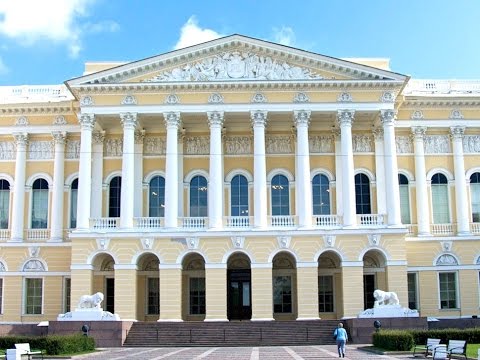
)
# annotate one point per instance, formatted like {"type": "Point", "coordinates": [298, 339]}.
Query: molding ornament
{"type": "Point", "coordinates": [129, 100]}
{"type": "Point", "coordinates": [471, 144]}
{"type": "Point", "coordinates": [446, 260]}
{"type": "Point", "coordinates": [34, 251]}
{"type": "Point", "coordinates": [33, 266]}
{"type": "Point", "coordinates": [259, 98]}
{"type": "Point", "coordinates": [20, 139]}
{"type": "Point", "coordinates": [301, 117]}
{"type": "Point", "coordinates": [345, 117]}
{"type": "Point", "coordinates": [154, 146]}
{"type": "Point", "coordinates": [258, 117]}
{"type": "Point", "coordinates": [374, 239]}
{"type": "Point", "coordinates": [21, 121]}
{"type": "Point", "coordinates": [7, 150]}
{"type": "Point", "coordinates": [73, 149]}
{"type": "Point", "coordinates": [215, 98]}
{"type": "Point", "coordinates": [345, 97]}
{"type": "Point", "coordinates": [98, 137]}
{"type": "Point", "coordinates": [197, 145]}
{"type": "Point", "coordinates": [233, 66]}
{"type": "Point", "coordinates": [456, 115]}
{"type": "Point", "coordinates": [86, 101]}
{"type": "Point", "coordinates": [418, 132]}
{"type": "Point", "coordinates": [102, 244]}
{"type": "Point", "coordinates": [147, 243]}
{"type": "Point", "coordinates": [238, 242]}
{"type": "Point", "coordinates": [362, 143]}
{"type": "Point", "coordinates": [87, 121]}
{"type": "Point", "coordinates": [59, 120]}
{"type": "Point", "coordinates": [388, 97]}
{"type": "Point", "coordinates": [128, 120]}
{"type": "Point", "coordinates": [40, 150]}
{"type": "Point", "coordinates": [279, 145]}
{"type": "Point", "coordinates": [172, 99]}
{"type": "Point", "coordinates": [388, 117]}
{"type": "Point", "coordinates": [215, 118]}
{"type": "Point", "coordinates": [457, 132]}
{"type": "Point", "coordinates": [114, 147]}
{"type": "Point", "coordinates": [192, 243]}
{"type": "Point", "coordinates": [59, 137]}
{"type": "Point", "coordinates": [446, 246]}
{"type": "Point", "coordinates": [404, 144]}
{"type": "Point", "coordinates": [172, 119]}
{"type": "Point", "coordinates": [284, 241]}
{"type": "Point", "coordinates": [139, 136]}
{"type": "Point", "coordinates": [417, 115]}
{"type": "Point", "coordinates": [437, 144]}
{"type": "Point", "coordinates": [301, 97]}
{"type": "Point", "coordinates": [329, 240]}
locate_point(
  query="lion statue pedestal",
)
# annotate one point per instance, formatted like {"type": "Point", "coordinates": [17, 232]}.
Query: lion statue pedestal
{"type": "Point", "coordinates": [387, 305]}
{"type": "Point", "coordinates": [89, 309]}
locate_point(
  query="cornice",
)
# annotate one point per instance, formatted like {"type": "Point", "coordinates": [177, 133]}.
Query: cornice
{"type": "Point", "coordinates": [39, 108]}
{"type": "Point", "coordinates": [434, 103]}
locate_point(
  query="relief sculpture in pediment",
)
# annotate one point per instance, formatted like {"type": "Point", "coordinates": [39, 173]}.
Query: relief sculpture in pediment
{"type": "Point", "coordinates": [236, 65]}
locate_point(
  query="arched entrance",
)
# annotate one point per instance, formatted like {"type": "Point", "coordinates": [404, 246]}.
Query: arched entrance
{"type": "Point", "coordinates": [239, 286]}
{"type": "Point", "coordinates": [373, 276]}
{"type": "Point", "coordinates": [148, 287]}
{"type": "Point", "coordinates": [284, 287]}
{"type": "Point", "coordinates": [330, 292]}
{"type": "Point", "coordinates": [104, 280]}
{"type": "Point", "coordinates": [193, 285]}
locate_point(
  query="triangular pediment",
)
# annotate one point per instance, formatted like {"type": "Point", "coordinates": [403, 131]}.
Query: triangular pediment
{"type": "Point", "coordinates": [236, 58]}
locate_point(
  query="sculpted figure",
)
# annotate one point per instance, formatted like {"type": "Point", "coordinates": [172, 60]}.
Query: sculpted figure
{"type": "Point", "coordinates": [383, 298]}
{"type": "Point", "coordinates": [90, 301]}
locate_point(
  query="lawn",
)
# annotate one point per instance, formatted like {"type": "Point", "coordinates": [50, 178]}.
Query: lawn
{"type": "Point", "coordinates": [472, 350]}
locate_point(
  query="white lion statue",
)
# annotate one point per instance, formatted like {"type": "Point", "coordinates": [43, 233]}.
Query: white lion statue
{"type": "Point", "coordinates": [90, 301]}
{"type": "Point", "coordinates": [385, 298]}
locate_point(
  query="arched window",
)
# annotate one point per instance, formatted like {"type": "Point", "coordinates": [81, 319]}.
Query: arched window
{"type": "Point", "coordinates": [239, 196]}
{"type": "Point", "coordinates": [321, 195]}
{"type": "Point", "coordinates": [114, 197]}
{"type": "Point", "coordinates": [475, 196]}
{"type": "Point", "coordinates": [40, 204]}
{"type": "Point", "coordinates": [198, 197]}
{"type": "Point", "coordinates": [73, 204]}
{"type": "Point", "coordinates": [362, 194]}
{"type": "Point", "coordinates": [4, 203]}
{"type": "Point", "coordinates": [404, 199]}
{"type": "Point", "coordinates": [280, 196]}
{"type": "Point", "coordinates": [156, 193]}
{"type": "Point", "coordinates": [440, 206]}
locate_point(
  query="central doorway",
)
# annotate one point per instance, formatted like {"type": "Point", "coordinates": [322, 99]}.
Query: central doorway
{"type": "Point", "coordinates": [239, 288]}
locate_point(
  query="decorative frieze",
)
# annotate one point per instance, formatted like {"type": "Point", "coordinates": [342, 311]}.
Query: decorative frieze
{"type": "Point", "coordinates": [321, 144]}
{"type": "Point", "coordinates": [197, 145]}
{"type": "Point", "coordinates": [139, 136]}
{"type": "Point", "coordinates": [235, 65]}
{"type": "Point", "coordinates": [154, 146]}
{"type": "Point", "coordinates": [279, 145]}
{"type": "Point", "coordinates": [238, 145]}
{"type": "Point", "coordinates": [437, 144]}
{"type": "Point", "coordinates": [7, 150]}
{"type": "Point", "coordinates": [40, 150]}
{"type": "Point", "coordinates": [73, 149]}
{"type": "Point", "coordinates": [471, 144]}
{"type": "Point", "coordinates": [404, 144]}
{"type": "Point", "coordinates": [362, 143]}
{"type": "Point", "coordinates": [113, 147]}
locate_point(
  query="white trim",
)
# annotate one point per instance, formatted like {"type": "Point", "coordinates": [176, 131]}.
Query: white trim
{"type": "Point", "coordinates": [37, 176]}
{"type": "Point", "coordinates": [280, 171]}
{"type": "Point", "coordinates": [352, 264]}
{"type": "Point", "coordinates": [274, 253]}
{"type": "Point", "coordinates": [261, 266]}
{"type": "Point", "coordinates": [370, 175]}
{"type": "Point", "coordinates": [457, 291]}
{"type": "Point", "coordinates": [181, 257]}
{"type": "Point", "coordinates": [322, 171]}
{"type": "Point", "coordinates": [305, 264]}
{"type": "Point", "coordinates": [437, 123]}
{"type": "Point", "coordinates": [231, 252]}
{"type": "Point", "coordinates": [196, 172]}
{"type": "Point", "coordinates": [153, 174]}
{"type": "Point", "coordinates": [443, 268]}
{"type": "Point", "coordinates": [215, 266]}
{"type": "Point", "coordinates": [446, 253]}
{"type": "Point", "coordinates": [81, 267]}
{"type": "Point", "coordinates": [443, 171]}
{"type": "Point", "coordinates": [141, 253]}
{"type": "Point", "coordinates": [383, 252]}
{"type": "Point", "coordinates": [24, 294]}
{"type": "Point", "coordinates": [125, 267]}
{"type": "Point", "coordinates": [170, 266]}
{"type": "Point", "coordinates": [110, 176]}
{"type": "Point", "coordinates": [35, 273]}
{"type": "Point", "coordinates": [5, 176]}
{"type": "Point", "coordinates": [336, 251]}
{"type": "Point", "coordinates": [231, 174]}
{"type": "Point", "coordinates": [396, 263]}
{"type": "Point", "coordinates": [91, 258]}
{"type": "Point", "coordinates": [471, 171]}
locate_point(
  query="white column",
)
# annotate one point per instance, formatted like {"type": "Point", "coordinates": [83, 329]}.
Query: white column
{"type": "Point", "coordinates": [138, 186]}
{"type": "Point", "coordinates": [380, 171]}
{"type": "Point", "coordinates": [345, 119]}
{"type": "Point", "coordinates": [181, 139]}
{"type": "Point", "coordinates": [391, 168]}
{"type": "Point", "coordinates": [423, 214]}
{"type": "Point", "coordinates": [18, 215]}
{"type": "Point", "coordinates": [338, 173]}
{"type": "Point", "coordinates": [303, 186]}
{"type": "Point", "coordinates": [97, 174]}
{"type": "Point", "coordinates": [172, 123]}
{"type": "Point", "coordinates": [87, 122]}
{"type": "Point", "coordinates": [129, 122]}
{"type": "Point", "coordinates": [259, 121]}
{"type": "Point", "coordinates": [215, 186]}
{"type": "Point", "coordinates": [56, 230]}
{"type": "Point", "coordinates": [463, 223]}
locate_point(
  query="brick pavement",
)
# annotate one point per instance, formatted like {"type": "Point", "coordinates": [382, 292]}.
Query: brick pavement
{"type": "Point", "coordinates": [236, 353]}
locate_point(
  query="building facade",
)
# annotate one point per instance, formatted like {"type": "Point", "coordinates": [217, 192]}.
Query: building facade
{"type": "Point", "coordinates": [239, 179]}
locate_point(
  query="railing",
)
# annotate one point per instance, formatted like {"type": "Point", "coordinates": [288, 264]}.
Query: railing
{"type": "Point", "coordinates": [282, 220]}
{"type": "Point", "coordinates": [412, 229]}
{"type": "Point", "coordinates": [104, 223]}
{"type": "Point", "coordinates": [442, 229]}
{"type": "Point", "coordinates": [4, 234]}
{"type": "Point", "coordinates": [33, 93]}
{"type": "Point", "coordinates": [475, 228]}
{"type": "Point", "coordinates": [238, 221]}
{"type": "Point", "coordinates": [326, 220]}
{"type": "Point", "coordinates": [453, 87]}
{"type": "Point", "coordinates": [194, 222]}
{"type": "Point", "coordinates": [38, 234]}
{"type": "Point", "coordinates": [149, 222]}
{"type": "Point", "coordinates": [371, 219]}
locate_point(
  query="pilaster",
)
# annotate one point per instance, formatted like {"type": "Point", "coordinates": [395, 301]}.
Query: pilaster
{"type": "Point", "coordinates": [170, 293]}
{"type": "Point", "coordinates": [307, 288]}
{"type": "Point", "coordinates": [352, 290]}
{"type": "Point", "coordinates": [262, 299]}
{"type": "Point", "coordinates": [216, 293]}
{"type": "Point", "coordinates": [126, 296]}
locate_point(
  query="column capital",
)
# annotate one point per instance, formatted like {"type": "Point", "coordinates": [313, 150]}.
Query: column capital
{"type": "Point", "coordinates": [215, 118]}
{"type": "Point", "coordinates": [98, 137]}
{"type": "Point", "coordinates": [258, 117]}
{"type": "Point", "coordinates": [20, 138]}
{"type": "Point", "coordinates": [301, 117]}
{"type": "Point", "coordinates": [457, 132]}
{"type": "Point", "coordinates": [172, 119]}
{"type": "Point", "coordinates": [129, 120]}
{"type": "Point", "coordinates": [388, 117]}
{"type": "Point", "coordinates": [87, 121]}
{"type": "Point", "coordinates": [418, 132]}
{"type": "Point", "coordinates": [378, 133]}
{"type": "Point", "coordinates": [59, 137]}
{"type": "Point", "coordinates": [345, 117]}
{"type": "Point", "coordinates": [139, 136]}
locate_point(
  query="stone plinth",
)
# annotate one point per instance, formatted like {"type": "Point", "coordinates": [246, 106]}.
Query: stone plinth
{"type": "Point", "coordinates": [88, 315]}
{"type": "Point", "coordinates": [388, 311]}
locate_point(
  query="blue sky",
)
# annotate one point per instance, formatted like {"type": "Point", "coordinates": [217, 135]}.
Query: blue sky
{"type": "Point", "coordinates": [48, 41]}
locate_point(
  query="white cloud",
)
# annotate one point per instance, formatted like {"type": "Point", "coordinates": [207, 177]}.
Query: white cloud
{"type": "Point", "coordinates": [284, 36]}
{"type": "Point", "coordinates": [29, 21]}
{"type": "Point", "coordinates": [3, 67]}
{"type": "Point", "coordinates": [192, 34]}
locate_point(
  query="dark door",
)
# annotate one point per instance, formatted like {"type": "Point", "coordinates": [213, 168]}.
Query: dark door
{"type": "Point", "coordinates": [110, 295]}
{"type": "Point", "coordinates": [239, 295]}
{"type": "Point", "coordinates": [368, 289]}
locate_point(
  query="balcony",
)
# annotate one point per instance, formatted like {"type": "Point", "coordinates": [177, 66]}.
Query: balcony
{"type": "Point", "coordinates": [37, 234]}
{"type": "Point", "coordinates": [149, 222]}
{"type": "Point", "coordinates": [283, 221]}
{"type": "Point", "coordinates": [326, 221]}
{"type": "Point", "coordinates": [243, 222]}
{"type": "Point", "coordinates": [371, 220]}
{"type": "Point", "coordinates": [104, 223]}
{"type": "Point", "coordinates": [4, 234]}
{"type": "Point", "coordinates": [189, 223]}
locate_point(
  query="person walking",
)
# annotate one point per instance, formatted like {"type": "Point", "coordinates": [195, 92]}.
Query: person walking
{"type": "Point", "coordinates": [341, 337]}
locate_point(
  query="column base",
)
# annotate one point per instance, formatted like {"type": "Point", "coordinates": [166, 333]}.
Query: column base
{"type": "Point", "coordinates": [169, 320]}
{"type": "Point", "coordinates": [308, 318]}
{"type": "Point", "coordinates": [425, 234]}
{"type": "Point", "coordinates": [464, 233]}
{"type": "Point", "coordinates": [263, 319]}
{"type": "Point", "coordinates": [216, 320]}
{"type": "Point", "coordinates": [15, 240]}
{"type": "Point", "coordinates": [55, 240]}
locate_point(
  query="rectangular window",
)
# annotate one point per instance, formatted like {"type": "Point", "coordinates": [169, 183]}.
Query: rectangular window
{"type": "Point", "coordinates": [475, 194]}
{"type": "Point", "coordinates": [153, 296]}
{"type": "Point", "coordinates": [325, 293]}
{"type": "Point", "coordinates": [282, 294]}
{"type": "Point", "coordinates": [33, 296]}
{"type": "Point", "coordinates": [448, 290]}
{"type": "Point", "coordinates": [73, 209]}
{"type": "Point", "coordinates": [405, 204]}
{"type": "Point", "coordinates": [4, 201]}
{"type": "Point", "coordinates": [197, 296]}
{"type": "Point", "coordinates": [39, 209]}
{"type": "Point", "coordinates": [1, 296]}
{"type": "Point", "coordinates": [412, 291]}
{"type": "Point", "coordinates": [66, 295]}
{"type": "Point", "coordinates": [441, 212]}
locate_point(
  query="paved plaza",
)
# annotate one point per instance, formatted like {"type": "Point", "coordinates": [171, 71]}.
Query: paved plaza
{"type": "Point", "coordinates": [236, 353]}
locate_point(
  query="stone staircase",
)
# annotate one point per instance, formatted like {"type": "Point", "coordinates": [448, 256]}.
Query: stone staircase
{"type": "Point", "coordinates": [233, 333]}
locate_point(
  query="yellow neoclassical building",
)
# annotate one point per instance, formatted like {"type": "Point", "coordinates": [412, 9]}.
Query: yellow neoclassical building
{"type": "Point", "coordinates": [239, 179]}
